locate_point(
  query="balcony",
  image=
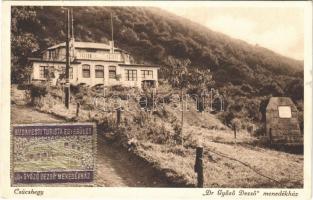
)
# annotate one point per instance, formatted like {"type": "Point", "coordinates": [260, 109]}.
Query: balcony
{"type": "Point", "coordinates": [100, 56]}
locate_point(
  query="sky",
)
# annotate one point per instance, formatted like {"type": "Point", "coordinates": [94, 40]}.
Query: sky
{"type": "Point", "coordinates": [276, 28]}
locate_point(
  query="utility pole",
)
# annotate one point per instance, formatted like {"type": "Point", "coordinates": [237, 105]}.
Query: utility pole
{"type": "Point", "coordinates": [72, 39]}
{"type": "Point", "coordinates": [67, 68]}
{"type": "Point", "coordinates": [112, 27]}
{"type": "Point", "coordinates": [72, 25]}
{"type": "Point", "coordinates": [111, 43]}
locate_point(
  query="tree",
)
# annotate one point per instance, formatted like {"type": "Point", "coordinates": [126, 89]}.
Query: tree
{"type": "Point", "coordinates": [23, 43]}
{"type": "Point", "coordinates": [177, 74]}
{"type": "Point", "coordinates": [129, 35]}
{"type": "Point", "coordinates": [262, 108]}
{"type": "Point", "coordinates": [199, 83]}
{"type": "Point", "coordinates": [295, 89]}
{"type": "Point", "coordinates": [271, 88]}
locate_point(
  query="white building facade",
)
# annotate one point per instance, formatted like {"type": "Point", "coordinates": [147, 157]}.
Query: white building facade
{"type": "Point", "coordinates": [92, 64]}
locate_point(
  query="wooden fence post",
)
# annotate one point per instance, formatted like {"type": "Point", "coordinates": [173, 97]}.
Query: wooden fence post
{"type": "Point", "coordinates": [199, 166]}
{"type": "Point", "coordinates": [118, 116]}
{"type": "Point", "coordinates": [77, 109]}
{"type": "Point", "coordinates": [270, 133]}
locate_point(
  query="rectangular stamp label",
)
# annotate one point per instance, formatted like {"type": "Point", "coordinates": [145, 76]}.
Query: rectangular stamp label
{"type": "Point", "coordinates": [53, 153]}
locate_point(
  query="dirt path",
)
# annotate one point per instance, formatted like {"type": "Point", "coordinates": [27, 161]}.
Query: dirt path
{"type": "Point", "coordinates": [115, 167]}
{"type": "Point", "coordinates": [123, 169]}
{"type": "Point", "coordinates": [26, 115]}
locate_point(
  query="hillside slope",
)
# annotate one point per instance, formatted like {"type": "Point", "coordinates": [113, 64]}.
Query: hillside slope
{"type": "Point", "coordinates": [156, 139]}
{"type": "Point", "coordinates": [246, 74]}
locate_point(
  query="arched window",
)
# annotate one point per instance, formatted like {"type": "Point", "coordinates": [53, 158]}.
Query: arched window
{"type": "Point", "coordinates": [99, 71]}
{"type": "Point", "coordinates": [86, 71]}
{"type": "Point", "coordinates": [112, 72]}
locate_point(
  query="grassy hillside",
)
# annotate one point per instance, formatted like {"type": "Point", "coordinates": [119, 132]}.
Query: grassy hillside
{"type": "Point", "coordinates": [156, 137]}
{"type": "Point", "coordinates": [246, 75]}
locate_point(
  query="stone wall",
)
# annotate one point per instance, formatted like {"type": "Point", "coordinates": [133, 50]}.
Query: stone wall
{"type": "Point", "coordinates": [282, 130]}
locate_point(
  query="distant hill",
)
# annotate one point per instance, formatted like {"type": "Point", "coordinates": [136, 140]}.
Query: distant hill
{"type": "Point", "coordinates": [151, 35]}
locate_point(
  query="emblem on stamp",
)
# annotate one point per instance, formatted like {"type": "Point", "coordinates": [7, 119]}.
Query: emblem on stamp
{"type": "Point", "coordinates": [53, 154]}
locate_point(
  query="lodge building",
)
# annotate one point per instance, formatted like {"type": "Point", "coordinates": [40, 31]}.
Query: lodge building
{"type": "Point", "coordinates": [92, 64]}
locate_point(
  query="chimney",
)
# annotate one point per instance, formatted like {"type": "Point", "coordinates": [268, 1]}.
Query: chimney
{"type": "Point", "coordinates": [111, 43]}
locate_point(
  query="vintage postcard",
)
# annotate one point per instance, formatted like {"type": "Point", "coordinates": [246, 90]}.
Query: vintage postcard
{"type": "Point", "coordinates": [156, 99]}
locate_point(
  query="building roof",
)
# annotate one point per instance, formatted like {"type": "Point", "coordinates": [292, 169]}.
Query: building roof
{"type": "Point", "coordinates": [274, 102]}
{"type": "Point", "coordinates": [51, 61]}
{"type": "Point", "coordinates": [86, 45]}
{"type": "Point", "coordinates": [138, 65]}
{"type": "Point", "coordinates": [78, 62]}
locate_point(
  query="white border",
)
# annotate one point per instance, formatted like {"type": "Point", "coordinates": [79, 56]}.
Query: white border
{"type": "Point", "coordinates": [144, 193]}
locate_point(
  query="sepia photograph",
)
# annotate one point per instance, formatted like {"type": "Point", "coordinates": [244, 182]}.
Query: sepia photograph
{"type": "Point", "coordinates": [158, 96]}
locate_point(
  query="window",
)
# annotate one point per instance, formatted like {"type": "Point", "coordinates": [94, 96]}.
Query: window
{"type": "Point", "coordinates": [86, 71]}
{"type": "Point", "coordinates": [112, 72]}
{"type": "Point", "coordinates": [147, 74]}
{"type": "Point", "coordinates": [99, 71]}
{"type": "Point", "coordinates": [284, 111]}
{"type": "Point", "coordinates": [131, 75]}
{"type": "Point", "coordinates": [51, 73]}
{"type": "Point", "coordinates": [51, 54]}
{"type": "Point", "coordinates": [43, 71]}
{"type": "Point", "coordinates": [71, 73]}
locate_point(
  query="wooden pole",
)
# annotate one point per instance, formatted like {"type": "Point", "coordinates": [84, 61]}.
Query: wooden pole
{"type": "Point", "coordinates": [235, 134]}
{"type": "Point", "coordinates": [72, 39]}
{"type": "Point", "coordinates": [67, 68]}
{"type": "Point", "coordinates": [270, 133]}
{"type": "Point", "coordinates": [112, 28]}
{"type": "Point", "coordinates": [211, 100]}
{"type": "Point", "coordinates": [77, 109]}
{"type": "Point", "coordinates": [199, 166]}
{"type": "Point", "coordinates": [118, 116]}
{"type": "Point", "coordinates": [72, 25]}
{"type": "Point", "coordinates": [182, 118]}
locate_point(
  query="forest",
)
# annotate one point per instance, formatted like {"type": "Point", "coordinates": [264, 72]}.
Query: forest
{"type": "Point", "coordinates": [246, 75]}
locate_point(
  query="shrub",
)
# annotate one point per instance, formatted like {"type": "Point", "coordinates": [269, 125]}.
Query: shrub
{"type": "Point", "coordinates": [250, 127]}
{"type": "Point", "coordinates": [260, 131]}
{"type": "Point", "coordinates": [106, 123]}
{"type": "Point", "coordinates": [23, 86]}
{"type": "Point", "coordinates": [226, 117]}
{"type": "Point", "coordinates": [37, 91]}
{"type": "Point", "coordinates": [46, 102]}
{"type": "Point", "coordinates": [157, 133]}
{"type": "Point", "coordinates": [56, 91]}
{"type": "Point", "coordinates": [75, 89]}
{"type": "Point", "coordinates": [79, 90]}
{"type": "Point", "coordinates": [236, 123]}
{"type": "Point", "coordinates": [161, 113]}
{"type": "Point", "coordinates": [119, 88]}
{"type": "Point", "coordinates": [177, 133]}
